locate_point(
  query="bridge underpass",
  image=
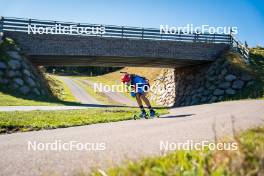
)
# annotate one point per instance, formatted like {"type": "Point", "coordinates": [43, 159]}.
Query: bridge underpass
{"type": "Point", "coordinates": [189, 82]}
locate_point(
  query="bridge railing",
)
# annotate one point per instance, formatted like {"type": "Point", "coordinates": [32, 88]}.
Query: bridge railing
{"type": "Point", "coordinates": [22, 25]}
{"type": "Point", "coordinates": [240, 48]}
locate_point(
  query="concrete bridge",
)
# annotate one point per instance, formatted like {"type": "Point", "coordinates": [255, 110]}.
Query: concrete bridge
{"type": "Point", "coordinates": [117, 46]}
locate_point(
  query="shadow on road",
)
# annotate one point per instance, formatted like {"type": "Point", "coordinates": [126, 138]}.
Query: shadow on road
{"type": "Point", "coordinates": [177, 116]}
{"type": "Point", "coordinates": [106, 106]}
{"type": "Point", "coordinates": [113, 106]}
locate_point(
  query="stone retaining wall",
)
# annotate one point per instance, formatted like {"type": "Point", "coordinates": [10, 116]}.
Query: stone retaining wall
{"type": "Point", "coordinates": [17, 74]}
{"type": "Point", "coordinates": [205, 83]}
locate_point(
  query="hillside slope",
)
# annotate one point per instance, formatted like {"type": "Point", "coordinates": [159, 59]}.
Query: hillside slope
{"type": "Point", "coordinates": [115, 77]}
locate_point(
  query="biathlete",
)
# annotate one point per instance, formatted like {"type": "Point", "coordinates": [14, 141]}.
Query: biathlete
{"type": "Point", "coordinates": [138, 87]}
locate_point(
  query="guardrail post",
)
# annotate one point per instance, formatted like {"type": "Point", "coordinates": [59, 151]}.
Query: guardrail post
{"type": "Point", "coordinates": [231, 37]}
{"type": "Point", "coordinates": [29, 24]}
{"type": "Point", "coordinates": [142, 33]}
{"type": "Point", "coordinates": [1, 27]}
{"type": "Point", "coordinates": [101, 35]}
{"type": "Point", "coordinates": [122, 34]}
{"type": "Point", "coordinates": [231, 40]}
{"type": "Point", "coordinates": [195, 37]}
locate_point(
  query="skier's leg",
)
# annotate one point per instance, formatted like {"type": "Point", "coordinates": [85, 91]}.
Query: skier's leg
{"type": "Point", "coordinates": [143, 112]}
{"type": "Point", "coordinates": [146, 101]}
{"type": "Point", "coordinates": [138, 99]}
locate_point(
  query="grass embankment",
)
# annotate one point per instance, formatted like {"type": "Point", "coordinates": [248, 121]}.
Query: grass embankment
{"type": "Point", "coordinates": [257, 62]}
{"type": "Point", "coordinates": [59, 89]}
{"type": "Point", "coordinates": [115, 77]}
{"type": "Point", "coordinates": [254, 68]}
{"type": "Point", "coordinates": [247, 160]}
{"type": "Point", "coordinates": [61, 96]}
{"type": "Point", "coordinates": [37, 120]}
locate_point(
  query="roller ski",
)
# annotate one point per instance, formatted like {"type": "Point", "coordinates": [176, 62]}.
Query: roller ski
{"type": "Point", "coordinates": [153, 114]}
{"type": "Point", "coordinates": [144, 115]}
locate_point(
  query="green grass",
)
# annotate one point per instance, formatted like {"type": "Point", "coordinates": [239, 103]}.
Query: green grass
{"type": "Point", "coordinates": [37, 120]}
{"type": "Point", "coordinates": [257, 62]}
{"type": "Point", "coordinates": [115, 77]}
{"type": "Point", "coordinates": [59, 88]}
{"type": "Point", "coordinates": [13, 100]}
{"type": "Point", "coordinates": [247, 160]}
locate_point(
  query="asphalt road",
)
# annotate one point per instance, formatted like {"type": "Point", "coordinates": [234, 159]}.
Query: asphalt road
{"type": "Point", "coordinates": [124, 140]}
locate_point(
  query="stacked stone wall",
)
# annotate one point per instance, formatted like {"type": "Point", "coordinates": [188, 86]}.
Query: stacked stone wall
{"type": "Point", "coordinates": [205, 83]}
